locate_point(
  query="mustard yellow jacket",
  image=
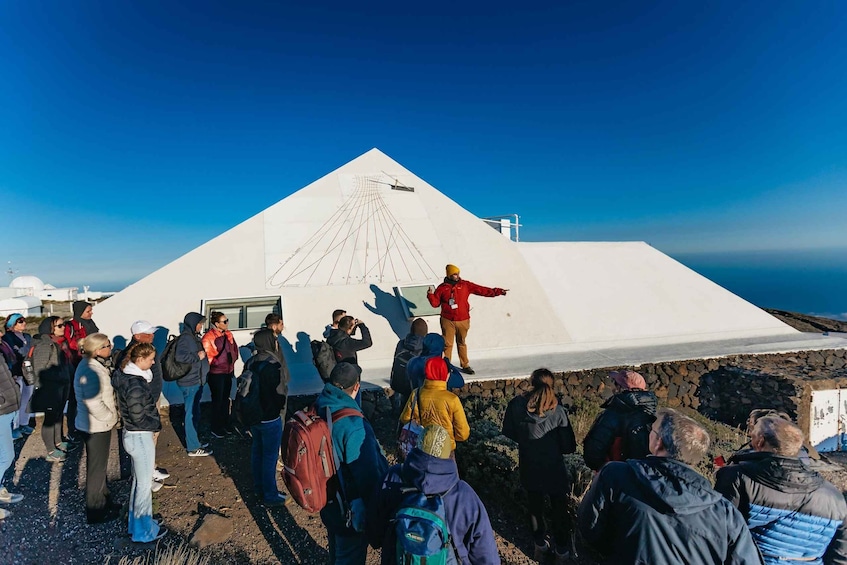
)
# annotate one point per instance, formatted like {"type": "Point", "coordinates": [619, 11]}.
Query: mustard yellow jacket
{"type": "Point", "coordinates": [438, 406]}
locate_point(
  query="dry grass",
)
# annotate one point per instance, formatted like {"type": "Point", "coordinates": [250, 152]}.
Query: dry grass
{"type": "Point", "coordinates": [166, 554]}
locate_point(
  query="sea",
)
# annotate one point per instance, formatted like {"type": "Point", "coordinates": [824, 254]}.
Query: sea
{"type": "Point", "coordinates": [810, 281]}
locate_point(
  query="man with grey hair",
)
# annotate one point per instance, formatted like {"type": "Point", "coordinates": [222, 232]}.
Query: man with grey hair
{"type": "Point", "coordinates": [793, 513]}
{"type": "Point", "coordinates": [660, 510]}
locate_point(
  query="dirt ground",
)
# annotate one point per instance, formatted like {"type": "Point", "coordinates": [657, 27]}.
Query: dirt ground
{"type": "Point", "coordinates": [49, 525]}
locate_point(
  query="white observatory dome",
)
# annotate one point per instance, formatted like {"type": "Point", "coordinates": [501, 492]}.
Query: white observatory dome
{"type": "Point", "coordinates": [28, 281]}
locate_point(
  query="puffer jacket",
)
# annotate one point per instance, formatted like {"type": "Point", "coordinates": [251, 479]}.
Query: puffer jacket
{"type": "Point", "coordinates": [345, 346]}
{"type": "Point", "coordinates": [221, 351]}
{"type": "Point", "coordinates": [21, 346]}
{"type": "Point", "coordinates": [53, 372]}
{"type": "Point", "coordinates": [434, 404]}
{"type": "Point", "coordinates": [625, 410]}
{"type": "Point", "coordinates": [10, 394]}
{"type": "Point", "coordinates": [466, 516]}
{"type": "Point", "coordinates": [433, 346]}
{"type": "Point", "coordinates": [791, 510]}
{"type": "Point", "coordinates": [459, 292]}
{"type": "Point", "coordinates": [187, 348]}
{"type": "Point", "coordinates": [158, 382]}
{"type": "Point", "coordinates": [362, 462]}
{"type": "Point", "coordinates": [136, 403]}
{"type": "Point", "coordinates": [659, 511]}
{"type": "Point", "coordinates": [95, 398]}
{"type": "Point", "coordinates": [542, 440]}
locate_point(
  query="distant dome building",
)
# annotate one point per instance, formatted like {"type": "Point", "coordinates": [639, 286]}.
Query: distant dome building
{"type": "Point", "coordinates": [28, 282]}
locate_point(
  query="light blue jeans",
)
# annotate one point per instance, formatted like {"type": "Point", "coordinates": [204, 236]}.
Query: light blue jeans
{"type": "Point", "coordinates": [139, 446]}
{"type": "Point", "coordinates": [7, 446]}
{"type": "Point", "coordinates": [191, 395]}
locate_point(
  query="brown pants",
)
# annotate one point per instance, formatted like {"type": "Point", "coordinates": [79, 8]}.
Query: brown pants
{"type": "Point", "coordinates": [459, 331]}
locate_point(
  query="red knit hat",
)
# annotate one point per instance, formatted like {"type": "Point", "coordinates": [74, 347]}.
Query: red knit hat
{"type": "Point", "coordinates": [629, 380]}
{"type": "Point", "coordinates": [436, 369]}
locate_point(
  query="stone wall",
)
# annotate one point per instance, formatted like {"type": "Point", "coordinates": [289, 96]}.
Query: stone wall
{"type": "Point", "coordinates": [725, 389]}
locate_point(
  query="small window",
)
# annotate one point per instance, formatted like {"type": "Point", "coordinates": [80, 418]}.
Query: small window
{"type": "Point", "coordinates": [244, 313]}
{"type": "Point", "coordinates": [414, 301]}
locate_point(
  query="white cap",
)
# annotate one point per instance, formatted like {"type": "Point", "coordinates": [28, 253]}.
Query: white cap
{"type": "Point", "coordinates": [143, 327]}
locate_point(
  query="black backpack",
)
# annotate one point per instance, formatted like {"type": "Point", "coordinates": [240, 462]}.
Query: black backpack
{"type": "Point", "coordinates": [635, 436]}
{"type": "Point", "coordinates": [173, 370]}
{"type": "Point", "coordinates": [247, 405]}
{"type": "Point", "coordinates": [324, 358]}
{"type": "Point", "coordinates": [399, 379]}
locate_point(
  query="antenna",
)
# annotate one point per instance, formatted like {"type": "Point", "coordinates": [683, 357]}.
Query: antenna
{"type": "Point", "coordinates": [11, 272]}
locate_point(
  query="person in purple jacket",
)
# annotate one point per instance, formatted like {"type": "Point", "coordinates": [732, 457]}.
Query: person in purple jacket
{"type": "Point", "coordinates": [430, 469]}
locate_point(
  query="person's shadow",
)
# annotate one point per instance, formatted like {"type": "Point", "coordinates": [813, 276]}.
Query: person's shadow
{"type": "Point", "coordinates": [388, 306]}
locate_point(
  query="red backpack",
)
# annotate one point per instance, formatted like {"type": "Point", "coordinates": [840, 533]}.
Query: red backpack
{"type": "Point", "coordinates": [308, 456]}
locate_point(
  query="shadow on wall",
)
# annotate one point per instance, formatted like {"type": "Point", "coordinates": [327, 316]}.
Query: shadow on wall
{"type": "Point", "coordinates": [388, 306]}
{"type": "Point", "coordinates": [298, 352]}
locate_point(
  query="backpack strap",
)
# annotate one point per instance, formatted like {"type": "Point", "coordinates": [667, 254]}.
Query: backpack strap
{"type": "Point", "coordinates": [340, 495]}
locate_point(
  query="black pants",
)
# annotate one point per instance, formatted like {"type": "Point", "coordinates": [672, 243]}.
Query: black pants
{"type": "Point", "coordinates": [220, 385]}
{"type": "Point", "coordinates": [71, 415]}
{"type": "Point", "coordinates": [51, 429]}
{"type": "Point", "coordinates": [97, 448]}
{"type": "Point", "coordinates": [561, 520]}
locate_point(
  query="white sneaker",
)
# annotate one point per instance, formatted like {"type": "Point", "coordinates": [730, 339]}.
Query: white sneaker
{"type": "Point", "coordinates": [7, 497]}
{"type": "Point", "coordinates": [156, 486]}
{"type": "Point", "coordinates": [159, 475]}
{"type": "Point", "coordinates": [200, 453]}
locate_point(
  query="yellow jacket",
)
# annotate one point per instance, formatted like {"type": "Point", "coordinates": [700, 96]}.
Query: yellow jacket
{"type": "Point", "coordinates": [438, 406]}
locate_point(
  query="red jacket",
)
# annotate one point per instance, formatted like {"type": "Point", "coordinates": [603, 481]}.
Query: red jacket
{"type": "Point", "coordinates": [459, 292]}
{"type": "Point", "coordinates": [74, 332]}
{"type": "Point", "coordinates": [221, 351]}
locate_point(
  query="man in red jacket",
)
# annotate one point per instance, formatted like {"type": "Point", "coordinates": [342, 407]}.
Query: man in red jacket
{"type": "Point", "coordinates": [452, 296]}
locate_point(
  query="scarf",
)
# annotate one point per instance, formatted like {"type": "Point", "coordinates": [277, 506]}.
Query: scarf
{"type": "Point", "coordinates": [132, 369]}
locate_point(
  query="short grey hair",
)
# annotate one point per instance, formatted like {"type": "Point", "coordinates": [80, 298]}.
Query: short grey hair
{"type": "Point", "coordinates": [683, 438]}
{"type": "Point", "coordinates": [783, 437]}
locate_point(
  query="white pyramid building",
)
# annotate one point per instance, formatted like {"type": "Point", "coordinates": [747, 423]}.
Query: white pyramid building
{"type": "Point", "coordinates": [349, 238]}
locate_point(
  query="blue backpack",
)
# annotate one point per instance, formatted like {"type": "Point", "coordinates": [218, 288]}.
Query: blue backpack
{"type": "Point", "coordinates": [422, 533]}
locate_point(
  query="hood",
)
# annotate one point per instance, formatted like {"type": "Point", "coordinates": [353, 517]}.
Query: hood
{"type": "Point", "coordinates": [433, 344]}
{"type": "Point", "coordinates": [436, 369]}
{"type": "Point", "coordinates": [784, 474]}
{"type": "Point", "coordinates": [78, 308]}
{"type": "Point", "coordinates": [191, 320]}
{"type": "Point", "coordinates": [45, 328]}
{"type": "Point", "coordinates": [631, 400]}
{"type": "Point", "coordinates": [335, 336]}
{"type": "Point", "coordinates": [450, 281]}
{"type": "Point", "coordinates": [266, 341]}
{"type": "Point", "coordinates": [429, 474]}
{"type": "Point", "coordinates": [413, 342]}
{"type": "Point", "coordinates": [672, 487]}
{"type": "Point", "coordinates": [333, 397]}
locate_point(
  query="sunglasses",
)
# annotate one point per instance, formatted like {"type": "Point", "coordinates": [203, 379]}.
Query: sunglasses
{"type": "Point", "coordinates": [223, 321]}
{"type": "Point", "coordinates": [62, 325]}
{"type": "Point", "coordinates": [21, 321]}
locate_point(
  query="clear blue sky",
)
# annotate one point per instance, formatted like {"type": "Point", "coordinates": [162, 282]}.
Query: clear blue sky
{"type": "Point", "coordinates": [131, 132]}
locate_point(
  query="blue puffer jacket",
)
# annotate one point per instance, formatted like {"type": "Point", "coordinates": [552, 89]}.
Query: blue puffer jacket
{"type": "Point", "coordinates": [466, 516]}
{"type": "Point", "coordinates": [362, 461]}
{"type": "Point", "coordinates": [433, 346]}
{"type": "Point", "coordinates": [187, 348]}
{"type": "Point", "coordinates": [791, 511]}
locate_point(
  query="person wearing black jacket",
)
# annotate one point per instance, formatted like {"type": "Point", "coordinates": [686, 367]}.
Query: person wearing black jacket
{"type": "Point", "coordinates": [140, 417]}
{"type": "Point", "coordinates": [143, 332]}
{"type": "Point", "coordinates": [10, 400]}
{"type": "Point", "coordinates": [793, 513]}
{"type": "Point", "coordinates": [20, 342]}
{"type": "Point", "coordinates": [270, 372]}
{"type": "Point", "coordinates": [53, 366]}
{"type": "Point", "coordinates": [189, 350]}
{"type": "Point", "coordinates": [344, 345]}
{"type": "Point", "coordinates": [539, 425]}
{"type": "Point", "coordinates": [621, 431]}
{"type": "Point", "coordinates": [659, 510]}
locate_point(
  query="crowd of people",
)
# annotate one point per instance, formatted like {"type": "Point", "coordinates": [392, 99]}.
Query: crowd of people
{"type": "Point", "coordinates": [646, 503]}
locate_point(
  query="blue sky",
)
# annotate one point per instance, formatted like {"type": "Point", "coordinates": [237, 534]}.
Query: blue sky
{"type": "Point", "coordinates": [131, 132]}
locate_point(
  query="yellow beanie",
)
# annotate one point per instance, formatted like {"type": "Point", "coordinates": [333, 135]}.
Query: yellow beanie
{"type": "Point", "coordinates": [452, 270]}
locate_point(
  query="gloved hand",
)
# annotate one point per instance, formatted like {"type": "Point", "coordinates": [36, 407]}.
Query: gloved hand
{"type": "Point", "coordinates": [357, 511]}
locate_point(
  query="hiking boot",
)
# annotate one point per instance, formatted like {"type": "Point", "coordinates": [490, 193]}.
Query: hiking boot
{"type": "Point", "coordinates": [17, 434]}
{"type": "Point", "coordinates": [468, 370]}
{"type": "Point", "coordinates": [561, 558]}
{"type": "Point", "coordinates": [160, 474]}
{"type": "Point", "coordinates": [26, 430]}
{"type": "Point", "coordinates": [200, 452]}
{"type": "Point", "coordinates": [541, 552]}
{"type": "Point", "coordinates": [56, 456]}
{"type": "Point", "coordinates": [7, 497]}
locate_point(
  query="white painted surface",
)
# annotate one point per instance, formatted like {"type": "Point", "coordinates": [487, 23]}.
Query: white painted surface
{"type": "Point", "coordinates": [347, 239]}
{"type": "Point", "coordinates": [828, 423]}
